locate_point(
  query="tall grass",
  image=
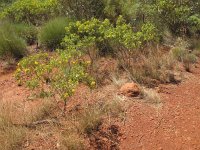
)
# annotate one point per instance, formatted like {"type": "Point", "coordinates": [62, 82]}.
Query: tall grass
{"type": "Point", "coordinates": [153, 69]}
{"type": "Point", "coordinates": [10, 43]}
{"type": "Point", "coordinates": [11, 136]}
{"type": "Point", "coordinates": [27, 32]}
{"type": "Point", "coordinates": [182, 53]}
{"type": "Point", "coordinates": [52, 33]}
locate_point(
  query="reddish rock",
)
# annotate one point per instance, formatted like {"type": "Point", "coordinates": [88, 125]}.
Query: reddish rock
{"type": "Point", "coordinates": [130, 90]}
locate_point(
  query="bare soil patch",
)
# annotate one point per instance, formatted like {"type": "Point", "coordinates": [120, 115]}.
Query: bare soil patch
{"type": "Point", "coordinates": [174, 125]}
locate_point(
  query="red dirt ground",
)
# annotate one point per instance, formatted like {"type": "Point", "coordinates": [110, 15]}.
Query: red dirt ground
{"type": "Point", "coordinates": [173, 126]}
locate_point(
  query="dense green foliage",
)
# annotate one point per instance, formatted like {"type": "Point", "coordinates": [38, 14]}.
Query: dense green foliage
{"type": "Point", "coordinates": [52, 33]}
{"type": "Point", "coordinates": [60, 73]}
{"type": "Point", "coordinates": [181, 17]}
{"type": "Point", "coordinates": [30, 11]}
{"type": "Point", "coordinates": [27, 32]}
{"type": "Point", "coordinates": [175, 14]}
{"type": "Point", "coordinates": [82, 9]}
{"type": "Point", "coordinates": [84, 34]}
{"type": "Point", "coordinates": [10, 42]}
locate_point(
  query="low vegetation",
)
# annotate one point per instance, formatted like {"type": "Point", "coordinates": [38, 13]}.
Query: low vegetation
{"type": "Point", "coordinates": [27, 32]}
{"type": "Point", "coordinates": [11, 136]}
{"type": "Point", "coordinates": [62, 44]}
{"type": "Point", "coordinates": [72, 141]}
{"type": "Point", "coordinates": [59, 74]}
{"type": "Point", "coordinates": [29, 11]}
{"type": "Point", "coordinates": [52, 33]}
{"type": "Point", "coordinates": [151, 96]}
{"type": "Point", "coordinates": [88, 121]}
{"type": "Point", "coordinates": [10, 43]}
{"type": "Point", "coordinates": [183, 54]}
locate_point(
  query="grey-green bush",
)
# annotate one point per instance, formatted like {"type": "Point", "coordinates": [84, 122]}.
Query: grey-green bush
{"type": "Point", "coordinates": [183, 54]}
{"type": "Point", "coordinates": [27, 32]}
{"type": "Point", "coordinates": [10, 43]}
{"type": "Point", "coordinates": [52, 33]}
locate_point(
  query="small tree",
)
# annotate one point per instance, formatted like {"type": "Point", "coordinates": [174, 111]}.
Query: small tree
{"type": "Point", "coordinates": [59, 74]}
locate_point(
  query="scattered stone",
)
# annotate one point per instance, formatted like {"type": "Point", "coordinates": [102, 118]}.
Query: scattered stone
{"type": "Point", "coordinates": [130, 90]}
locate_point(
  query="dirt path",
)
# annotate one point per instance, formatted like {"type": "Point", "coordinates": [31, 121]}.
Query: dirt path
{"type": "Point", "coordinates": [174, 126]}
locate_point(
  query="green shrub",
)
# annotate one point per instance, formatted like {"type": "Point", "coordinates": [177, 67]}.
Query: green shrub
{"type": "Point", "coordinates": [27, 32]}
{"type": "Point", "coordinates": [179, 53]}
{"type": "Point", "coordinates": [194, 22]}
{"type": "Point", "coordinates": [62, 72]}
{"type": "Point", "coordinates": [82, 9]}
{"type": "Point", "coordinates": [124, 41]}
{"type": "Point", "coordinates": [52, 33]}
{"type": "Point", "coordinates": [182, 54]}
{"type": "Point", "coordinates": [188, 60]}
{"type": "Point", "coordinates": [85, 34]}
{"type": "Point", "coordinates": [10, 43]}
{"type": "Point", "coordinates": [30, 11]}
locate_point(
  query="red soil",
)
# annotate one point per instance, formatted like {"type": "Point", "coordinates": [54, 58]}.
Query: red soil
{"type": "Point", "coordinates": [174, 125]}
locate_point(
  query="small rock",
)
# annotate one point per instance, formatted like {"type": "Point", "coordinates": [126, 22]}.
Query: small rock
{"type": "Point", "coordinates": [130, 90]}
{"type": "Point", "coordinates": [58, 145]}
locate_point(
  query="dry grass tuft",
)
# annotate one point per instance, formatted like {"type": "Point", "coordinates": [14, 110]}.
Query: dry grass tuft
{"type": "Point", "coordinates": [90, 119]}
{"type": "Point", "coordinates": [11, 136]}
{"type": "Point", "coordinates": [117, 81]}
{"type": "Point", "coordinates": [88, 122]}
{"type": "Point", "coordinates": [153, 69]}
{"type": "Point", "coordinates": [71, 140]}
{"type": "Point", "coordinates": [115, 108]}
{"type": "Point", "coordinates": [92, 116]}
{"type": "Point", "coordinates": [41, 112]}
{"type": "Point", "coordinates": [151, 96]}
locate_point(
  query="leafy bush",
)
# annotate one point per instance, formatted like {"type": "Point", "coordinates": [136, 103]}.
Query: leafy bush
{"type": "Point", "coordinates": [30, 11]}
{"type": "Point", "coordinates": [121, 7]}
{"type": "Point", "coordinates": [62, 72]}
{"type": "Point", "coordinates": [10, 43]}
{"type": "Point", "coordinates": [194, 22]}
{"type": "Point", "coordinates": [180, 17]}
{"type": "Point", "coordinates": [52, 33]}
{"type": "Point", "coordinates": [82, 35]}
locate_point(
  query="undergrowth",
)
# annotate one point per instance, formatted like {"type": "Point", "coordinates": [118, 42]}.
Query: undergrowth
{"type": "Point", "coordinates": [52, 33]}
{"type": "Point", "coordinates": [11, 136]}
{"type": "Point", "coordinates": [10, 43]}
